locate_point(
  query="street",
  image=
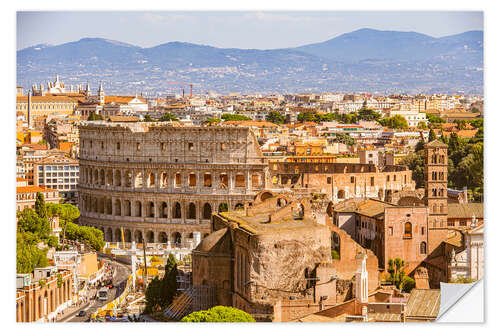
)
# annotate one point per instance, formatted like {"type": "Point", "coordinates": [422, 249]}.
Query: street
{"type": "Point", "coordinates": [121, 273]}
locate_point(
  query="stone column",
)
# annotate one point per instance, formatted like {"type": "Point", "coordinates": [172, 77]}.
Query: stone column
{"type": "Point", "coordinates": [248, 186]}
{"type": "Point", "coordinates": [231, 181]}
{"type": "Point", "coordinates": [113, 210]}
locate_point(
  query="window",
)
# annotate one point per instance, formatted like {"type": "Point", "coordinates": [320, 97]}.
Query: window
{"type": "Point", "coordinates": [408, 231]}
{"type": "Point", "coordinates": [117, 146]}
{"type": "Point", "coordinates": [422, 231]}
{"type": "Point", "coordinates": [394, 178]}
{"type": "Point", "coordinates": [423, 248]}
{"type": "Point", "coordinates": [372, 181]}
{"type": "Point", "coordinates": [352, 179]}
{"type": "Point", "coordinates": [192, 179]}
{"type": "Point", "coordinates": [328, 180]}
{"type": "Point", "coordinates": [207, 180]}
{"type": "Point", "coordinates": [138, 146]}
{"type": "Point", "coordinates": [388, 178]}
{"type": "Point", "coordinates": [190, 146]}
{"type": "Point", "coordinates": [223, 146]}
{"type": "Point", "coordinates": [163, 146]}
{"type": "Point", "coordinates": [451, 224]}
{"type": "Point", "coordinates": [390, 231]}
{"type": "Point", "coordinates": [463, 223]}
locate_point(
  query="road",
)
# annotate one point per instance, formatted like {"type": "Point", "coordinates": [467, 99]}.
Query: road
{"type": "Point", "coordinates": [120, 277]}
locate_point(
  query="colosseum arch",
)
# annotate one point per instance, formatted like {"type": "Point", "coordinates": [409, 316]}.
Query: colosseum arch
{"type": "Point", "coordinates": [138, 236]}
{"type": "Point", "coordinates": [128, 178]}
{"type": "Point", "coordinates": [163, 210]}
{"type": "Point", "coordinates": [109, 206]}
{"type": "Point", "coordinates": [138, 209]}
{"type": "Point", "coordinates": [150, 236]}
{"type": "Point", "coordinates": [207, 211]}
{"type": "Point", "coordinates": [177, 238]}
{"type": "Point", "coordinates": [101, 203]}
{"type": "Point", "coordinates": [101, 177]}
{"type": "Point", "coordinates": [176, 211]}
{"type": "Point", "coordinates": [128, 236]}
{"type": "Point", "coordinates": [150, 209]}
{"type": "Point", "coordinates": [118, 207]}
{"type": "Point", "coordinates": [138, 179]}
{"type": "Point", "coordinates": [109, 177]}
{"type": "Point", "coordinates": [109, 235]}
{"type": "Point", "coordinates": [118, 235]}
{"type": "Point", "coordinates": [151, 180]}
{"type": "Point", "coordinates": [239, 206]}
{"type": "Point", "coordinates": [223, 207]}
{"type": "Point", "coordinates": [127, 208]}
{"type": "Point", "coordinates": [162, 237]}
{"type": "Point", "coordinates": [118, 178]}
{"type": "Point", "coordinates": [263, 196]}
{"type": "Point", "coordinates": [163, 179]}
{"type": "Point", "coordinates": [191, 213]}
{"type": "Point", "coordinates": [95, 178]}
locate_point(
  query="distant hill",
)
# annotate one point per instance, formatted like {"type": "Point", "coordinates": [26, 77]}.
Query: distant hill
{"type": "Point", "coordinates": [364, 60]}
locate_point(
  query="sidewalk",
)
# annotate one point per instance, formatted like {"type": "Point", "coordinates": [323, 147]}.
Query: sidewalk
{"type": "Point", "coordinates": [68, 312]}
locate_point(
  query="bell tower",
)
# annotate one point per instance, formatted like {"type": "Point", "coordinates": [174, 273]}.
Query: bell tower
{"type": "Point", "coordinates": [436, 192]}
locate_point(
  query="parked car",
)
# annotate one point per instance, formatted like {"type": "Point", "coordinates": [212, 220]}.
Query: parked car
{"type": "Point", "coordinates": [81, 313]}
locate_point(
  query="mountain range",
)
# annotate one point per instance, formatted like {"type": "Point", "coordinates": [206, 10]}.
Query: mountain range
{"type": "Point", "coordinates": [364, 60]}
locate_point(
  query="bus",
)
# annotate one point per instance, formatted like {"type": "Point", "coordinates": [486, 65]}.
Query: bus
{"type": "Point", "coordinates": [103, 294]}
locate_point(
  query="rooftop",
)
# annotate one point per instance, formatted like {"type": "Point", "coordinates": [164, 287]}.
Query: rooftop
{"type": "Point", "coordinates": [423, 303]}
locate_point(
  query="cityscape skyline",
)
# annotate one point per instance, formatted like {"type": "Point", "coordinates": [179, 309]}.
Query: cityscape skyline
{"type": "Point", "coordinates": [245, 29]}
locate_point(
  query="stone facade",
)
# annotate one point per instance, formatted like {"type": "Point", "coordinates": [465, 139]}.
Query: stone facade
{"type": "Point", "coordinates": [162, 181]}
{"type": "Point", "coordinates": [341, 181]}
{"type": "Point", "coordinates": [42, 301]}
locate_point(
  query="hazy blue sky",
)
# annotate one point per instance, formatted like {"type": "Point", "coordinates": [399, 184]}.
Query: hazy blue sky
{"type": "Point", "coordinates": [262, 30]}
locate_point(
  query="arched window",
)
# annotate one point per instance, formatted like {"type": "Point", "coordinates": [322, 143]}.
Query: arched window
{"type": "Point", "coordinates": [223, 207]}
{"type": "Point", "coordinates": [408, 232]}
{"type": "Point", "coordinates": [341, 194]}
{"type": "Point", "coordinates": [192, 211]}
{"type": "Point", "coordinates": [177, 211]}
{"type": "Point", "coordinates": [207, 211]}
{"type": "Point", "coordinates": [423, 248]}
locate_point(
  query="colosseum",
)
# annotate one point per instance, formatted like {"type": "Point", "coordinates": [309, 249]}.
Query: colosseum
{"type": "Point", "coordinates": [163, 181]}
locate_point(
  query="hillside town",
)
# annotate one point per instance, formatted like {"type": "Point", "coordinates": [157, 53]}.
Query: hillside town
{"type": "Point", "coordinates": [300, 207]}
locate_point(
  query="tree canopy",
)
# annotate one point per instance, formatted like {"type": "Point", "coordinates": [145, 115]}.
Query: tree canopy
{"type": "Point", "coordinates": [160, 292]}
{"type": "Point", "coordinates": [234, 117]}
{"type": "Point", "coordinates": [396, 122]}
{"type": "Point", "coordinates": [168, 117]}
{"type": "Point", "coordinates": [219, 314]}
{"type": "Point", "coordinates": [275, 117]}
{"type": "Point", "coordinates": [345, 139]}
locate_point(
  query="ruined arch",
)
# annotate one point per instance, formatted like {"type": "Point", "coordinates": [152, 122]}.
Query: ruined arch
{"type": "Point", "coordinates": [423, 248]}
{"type": "Point", "coordinates": [128, 236]}
{"type": "Point", "coordinates": [207, 211]}
{"type": "Point", "coordinates": [118, 178]}
{"type": "Point", "coordinates": [163, 210]}
{"type": "Point", "coordinates": [162, 237]}
{"type": "Point", "coordinates": [177, 238]}
{"type": "Point", "coordinates": [176, 211]}
{"type": "Point", "coordinates": [138, 236]}
{"type": "Point", "coordinates": [335, 245]}
{"type": "Point", "coordinates": [191, 213]}
{"type": "Point", "coordinates": [118, 235]}
{"type": "Point", "coordinates": [150, 236]}
{"type": "Point", "coordinates": [138, 209]}
{"type": "Point", "coordinates": [223, 207]}
{"type": "Point", "coordinates": [109, 235]}
{"type": "Point", "coordinates": [239, 206]}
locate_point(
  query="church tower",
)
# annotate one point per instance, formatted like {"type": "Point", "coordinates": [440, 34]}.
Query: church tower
{"type": "Point", "coordinates": [100, 94]}
{"type": "Point", "coordinates": [87, 90]}
{"type": "Point", "coordinates": [436, 191]}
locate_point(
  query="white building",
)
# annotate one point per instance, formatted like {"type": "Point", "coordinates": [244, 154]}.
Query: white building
{"type": "Point", "coordinates": [413, 118]}
{"type": "Point", "coordinates": [469, 263]}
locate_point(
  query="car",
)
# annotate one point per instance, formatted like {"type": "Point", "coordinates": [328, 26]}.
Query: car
{"type": "Point", "coordinates": [81, 313]}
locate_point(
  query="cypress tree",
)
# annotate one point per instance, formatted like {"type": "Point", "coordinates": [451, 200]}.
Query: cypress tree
{"type": "Point", "coordinates": [40, 208]}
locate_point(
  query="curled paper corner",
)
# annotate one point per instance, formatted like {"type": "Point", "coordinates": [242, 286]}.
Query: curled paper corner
{"type": "Point", "coordinates": [461, 302]}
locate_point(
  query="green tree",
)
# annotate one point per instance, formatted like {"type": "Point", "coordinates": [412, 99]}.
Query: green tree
{"type": "Point", "coordinates": [416, 163]}
{"type": "Point", "coordinates": [407, 284]}
{"type": "Point", "coordinates": [147, 118]}
{"type": "Point", "coordinates": [275, 117]}
{"type": "Point", "coordinates": [93, 116]}
{"type": "Point", "coordinates": [219, 314]}
{"type": "Point", "coordinates": [345, 139]}
{"type": "Point", "coordinates": [474, 110]}
{"type": "Point", "coordinates": [307, 116]}
{"type": "Point", "coordinates": [160, 293]}
{"type": "Point", "coordinates": [28, 255]}
{"type": "Point", "coordinates": [234, 117]}
{"type": "Point", "coordinates": [212, 121]}
{"type": "Point", "coordinates": [40, 205]}
{"type": "Point", "coordinates": [368, 115]}
{"type": "Point", "coordinates": [168, 117]}
{"type": "Point", "coordinates": [420, 145]}
{"type": "Point", "coordinates": [435, 120]}
{"type": "Point", "coordinates": [29, 221]}
{"type": "Point", "coordinates": [432, 135]}
{"type": "Point", "coordinates": [396, 122]}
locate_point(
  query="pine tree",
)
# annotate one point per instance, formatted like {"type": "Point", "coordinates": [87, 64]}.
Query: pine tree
{"type": "Point", "coordinates": [40, 208]}
{"type": "Point", "coordinates": [432, 135]}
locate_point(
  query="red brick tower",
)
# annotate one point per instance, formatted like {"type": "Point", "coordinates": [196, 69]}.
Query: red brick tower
{"type": "Point", "coordinates": [436, 191]}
